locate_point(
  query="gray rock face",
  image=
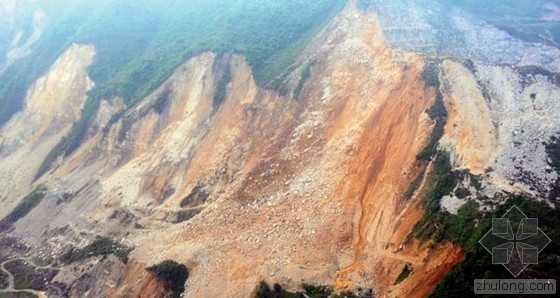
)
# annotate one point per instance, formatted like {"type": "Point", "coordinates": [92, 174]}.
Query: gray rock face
{"type": "Point", "coordinates": [526, 110]}
{"type": "Point", "coordinates": [435, 28]}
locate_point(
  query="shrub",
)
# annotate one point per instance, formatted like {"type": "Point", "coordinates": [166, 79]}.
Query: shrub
{"type": "Point", "coordinates": [24, 207]}
{"type": "Point", "coordinates": [264, 291]}
{"type": "Point", "coordinates": [102, 246]}
{"type": "Point", "coordinates": [317, 291]}
{"type": "Point", "coordinates": [172, 274]}
{"type": "Point", "coordinates": [407, 270]}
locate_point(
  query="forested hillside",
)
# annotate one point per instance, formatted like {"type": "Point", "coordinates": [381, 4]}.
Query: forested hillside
{"type": "Point", "coordinates": [139, 44]}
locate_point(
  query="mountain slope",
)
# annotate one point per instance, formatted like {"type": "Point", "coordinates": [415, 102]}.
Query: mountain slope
{"type": "Point", "coordinates": [310, 181]}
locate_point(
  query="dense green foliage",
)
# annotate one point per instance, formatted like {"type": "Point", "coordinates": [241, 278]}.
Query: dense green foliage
{"type": "Point", "coordinates": [310, 291]}
{"type": "Point", "coordinates": [172, 274]}
{"type": "Point", "coordinates": [139, 44]}
{"type": "Point", "coordinates": [437, 111]}
{"type": "Point", "coordinates": [469, 225]}
{"type": "Point", "coordinates": [407, 270]}
{"type": "Point", "coordinates": [264, 291]}
{"type": "Point", "coordinates": [478, 262]}
{"type": "Point", "coordinates": [102, 246]}
{"type": "Point", "coordinates": [23, 208]}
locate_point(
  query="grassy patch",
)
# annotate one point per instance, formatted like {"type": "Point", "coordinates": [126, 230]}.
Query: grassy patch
{"type": "Point", "coordinates": [27, 204]}
{"type": "Point", "coordinates": [102, 246]}
{"type": "Point", "coordinates": [407, 270]}
{"type": "Point", "coordinates": [172, 274]}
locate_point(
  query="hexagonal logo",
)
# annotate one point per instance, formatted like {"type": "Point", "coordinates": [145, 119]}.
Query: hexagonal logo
{"type": "Point", "coordinates": [515, 251]}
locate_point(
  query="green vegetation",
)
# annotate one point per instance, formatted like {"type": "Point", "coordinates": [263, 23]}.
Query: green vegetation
{"type": "Point", "coordinates": [139, 44]}
{"type": "Point", "coordinates": [73, 140]}
{"type": "Point", "coordinates": [221, 87]}
{"type": "Point", "coordinates": [441, 225]}
{"type": "Point", "coordinates": [413, 187]}
{"type": "Point", "coordinates": [317, 291]}
{"type": "Point", "coordinates": [198, 196]}
{"type": "Point", "coordinates": [264, 291]}
{"type": "Point", "coordinates": [161, 101]}
{"type": "Point", "coordinates": [102, 246]}
{"type": "Point", "coordinates": [478, 262]}
{"type": "Point", "coordinates": [553, 151]}
{"type": "Point", "coordinates": [277, 291]}
{"type": "Point", "coordinates": [27, 276]}
{"type": "Point", "coordinates": [462, 193]}
{"type": "Point", "coordinates": [172, 274]}
{"type": "Point", "coordinates": [407, 270]}
{"type": "Point", "coordinates": [311, 291]}
{"type": "Point", "coordinates": [305, 75]}
{"type": "Point", "coordinates": [437, 111]}
{"type": "Point", "coordinates": [469, 225]}
{"type": "Point", "coordinates": [27, 204]}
